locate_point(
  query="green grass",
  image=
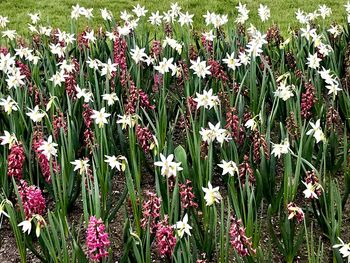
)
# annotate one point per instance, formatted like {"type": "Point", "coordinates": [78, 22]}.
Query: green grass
{"type": "Point", "coordinates": [57, 13]}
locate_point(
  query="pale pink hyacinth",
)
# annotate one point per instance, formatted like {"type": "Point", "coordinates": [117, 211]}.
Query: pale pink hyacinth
{"type": "Point", "coordinates": [97, 240]}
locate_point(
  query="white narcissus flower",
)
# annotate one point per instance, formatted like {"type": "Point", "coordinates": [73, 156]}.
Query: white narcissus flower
{"type": "Point", "coordinates": [110, 98]}
{"type": "Point", "coordinates": [284, 91]}
{"type": "Point", "coordinates": [212, 195]}
{"type": "Point", "coordinates": [140, 10]}
{"type": "Point", "coordinates": [10, 34]}
{"type": "Point", "coordinates": [313, 61]}
{"type": "Point", "coordinates": [164, 65]}
{"type": "Point", "coordinates": [155, 19]}
{"type": "Point", "coordinates": [114, 162]}
{"type": "Point", "coordinates": [317, 131]}
{"type": "Point", "coordinates": [26, 226]}
{"type": "Point", "coordinates": [83, 93]}
{"type": "Point", "coordinates": [214, 133]}
{"type": "Point", "coordinates": [231, 61]}
{"type": "Point", "coordinates": [93, 63]}
{"type": "Point", "coordinates": [138, 54]}
{"type": "Point", "coordinates": [14, 78]}
{"type": "Point", "coordinates": [58, 78]}
{"type": "Point", "coordinates": [8, 138]}
{"type": "Point", "coordinates": [344, 249]}
{"type": "Point", "coordinates": [209, 36]}
{"type": "Point", "coordinates": [229, 167]}
{"type": "Point", "coordinates": [6, 62]}
{"type": "Point", "coordinates": [108, 68]}
{"type": "Point", "coordinates": [309, 192]}
{"type": "Point", "coordinates": [3, 21]}
{"type": "Point", "coordinates": [89, 36]}
{"type": "Point", "coordinates": [9, 105]}
{"type": "Point", "coordinates": [183, 227]}
{"type": "Point", "coordinates": [48, 148]}
{"type": "Point", "coordinates": [244, 58]}
{"type": "Point", "coordinates": [169, 168]}
{"type": "Point", "coordinates": [206, 100]}
{"type": "Point", "coordinates": [2, 207]}
{"type": "Point", "coordinates": [100, 117]}
{"type": "Point", "coordinates": [333, 88]}
{"type": "Point", "coordinates": [34, 17]}
{"type": "Point", "coordinates": [127, 121]}
{"type": "Point", "coordinates": [324, 11]}
{"type": "Point", "coordinates": [185, 19]}
{"type": "Point", "coordinates": [36, 114]}
{"type": "Point", "coordinates": [279, 149]}
{"type": "Point", "coordinates": [200, 68]}
{"type": "Point", "coordinates": [264, 12]}
{"type": "Point", "coordinates": [106, 14]}
{"type": "Point", "coordinates": [251, 124]}
{"type": "Point", "coordinates": [81, 165]}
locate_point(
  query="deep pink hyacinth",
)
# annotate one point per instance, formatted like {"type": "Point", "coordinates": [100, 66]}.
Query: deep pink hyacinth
{"type": "Point", "coordinates": [233, 124]}
{"type": "Point", "coordinates": [239, 241]}
{"type": "Point", "coordinates": [24, 69]}
{"type": "Point", "coordinates": [15, 161]}
{"type": "Point", "coordinates": [308, 99]}
{"type": "Point", "coordinates": [32, 199]}
{"type": "Point", "coordinates": [150, 211]}
{"type": "Point", "coordinates": [165, 238]}
{"type": "Point", "coordinates": [187, 195]}
{"type": "Point", "coordinates": [4, 50]}
{"type": "Point", "coordinates": [144, 138]}
{"type": "Point", "coordinates": [97, 240]}
{"type": "Point", "coordinates": [137, 97]}
{"type": "Point", "coordinates": [119, 52]}
{"type": "Point", "coordinates": [217, 71]}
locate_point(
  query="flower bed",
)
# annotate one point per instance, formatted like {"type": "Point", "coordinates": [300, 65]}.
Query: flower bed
{"type": "Point", "coordinates": [240, 134]}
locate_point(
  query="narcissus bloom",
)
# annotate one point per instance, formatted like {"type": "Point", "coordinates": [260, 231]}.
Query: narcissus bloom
{"type": "Point", "coordinates": [183, 227]}
{"type": "Point", "coordinates": [26, 226]}
{"type": "Point", "coordinates": [110, 98]}
{"type": "Point", "coordinates": [212, 195]}
{"type": "Point", "coordinates": [200, 68]}
{"type": "Point", "coordinates": [279, 149]}
{"type": "Point", "coordinates": [344, 249]}
{"type": "Point", "coordinates": [138, 54]}
{"type": "Point", "coordinates": [207, 99]}
{"type": "Point", "coordinates": [169, 168]}
{"type": "Point", "coordinates": [116, 162]}
{"type": "Point", "coordinates": [36, 114]}
{"type": "Point", "coordinates": [284, 91]}
{"type": "Point", "coordinates": [127, 120]}
{"type": "Point", "coordinates": [229, 167]}
{"type": "Point", "coordinates": [313, 61]}
{"type": "Point", "coordinates": [214, 133]}
{"type": "Point", "coordinates": [48, 148]}
{"type": "Point", "coordinates": [316, 131]}
{"type": "Point", "coordinates": [8, 138]}
{"type": "Point", "coordinates": [108, 68]}
{"type": "Point", "coordinates": [164, 65]}
{"type": "Point", "coordinates": [9, 105]}
{"type": "Point", "coordinates": [264, 12]}
{"type": "Point", "coordinates": [81, 165]}
{"type": "Point", "coordinates": [231, 61]}
{"type": "Point", "coordinates": [100, 117]}
{"type": "Point", "coordinates": [155, 19]}
{"type": "Point", "coordinates": [310, 191]}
